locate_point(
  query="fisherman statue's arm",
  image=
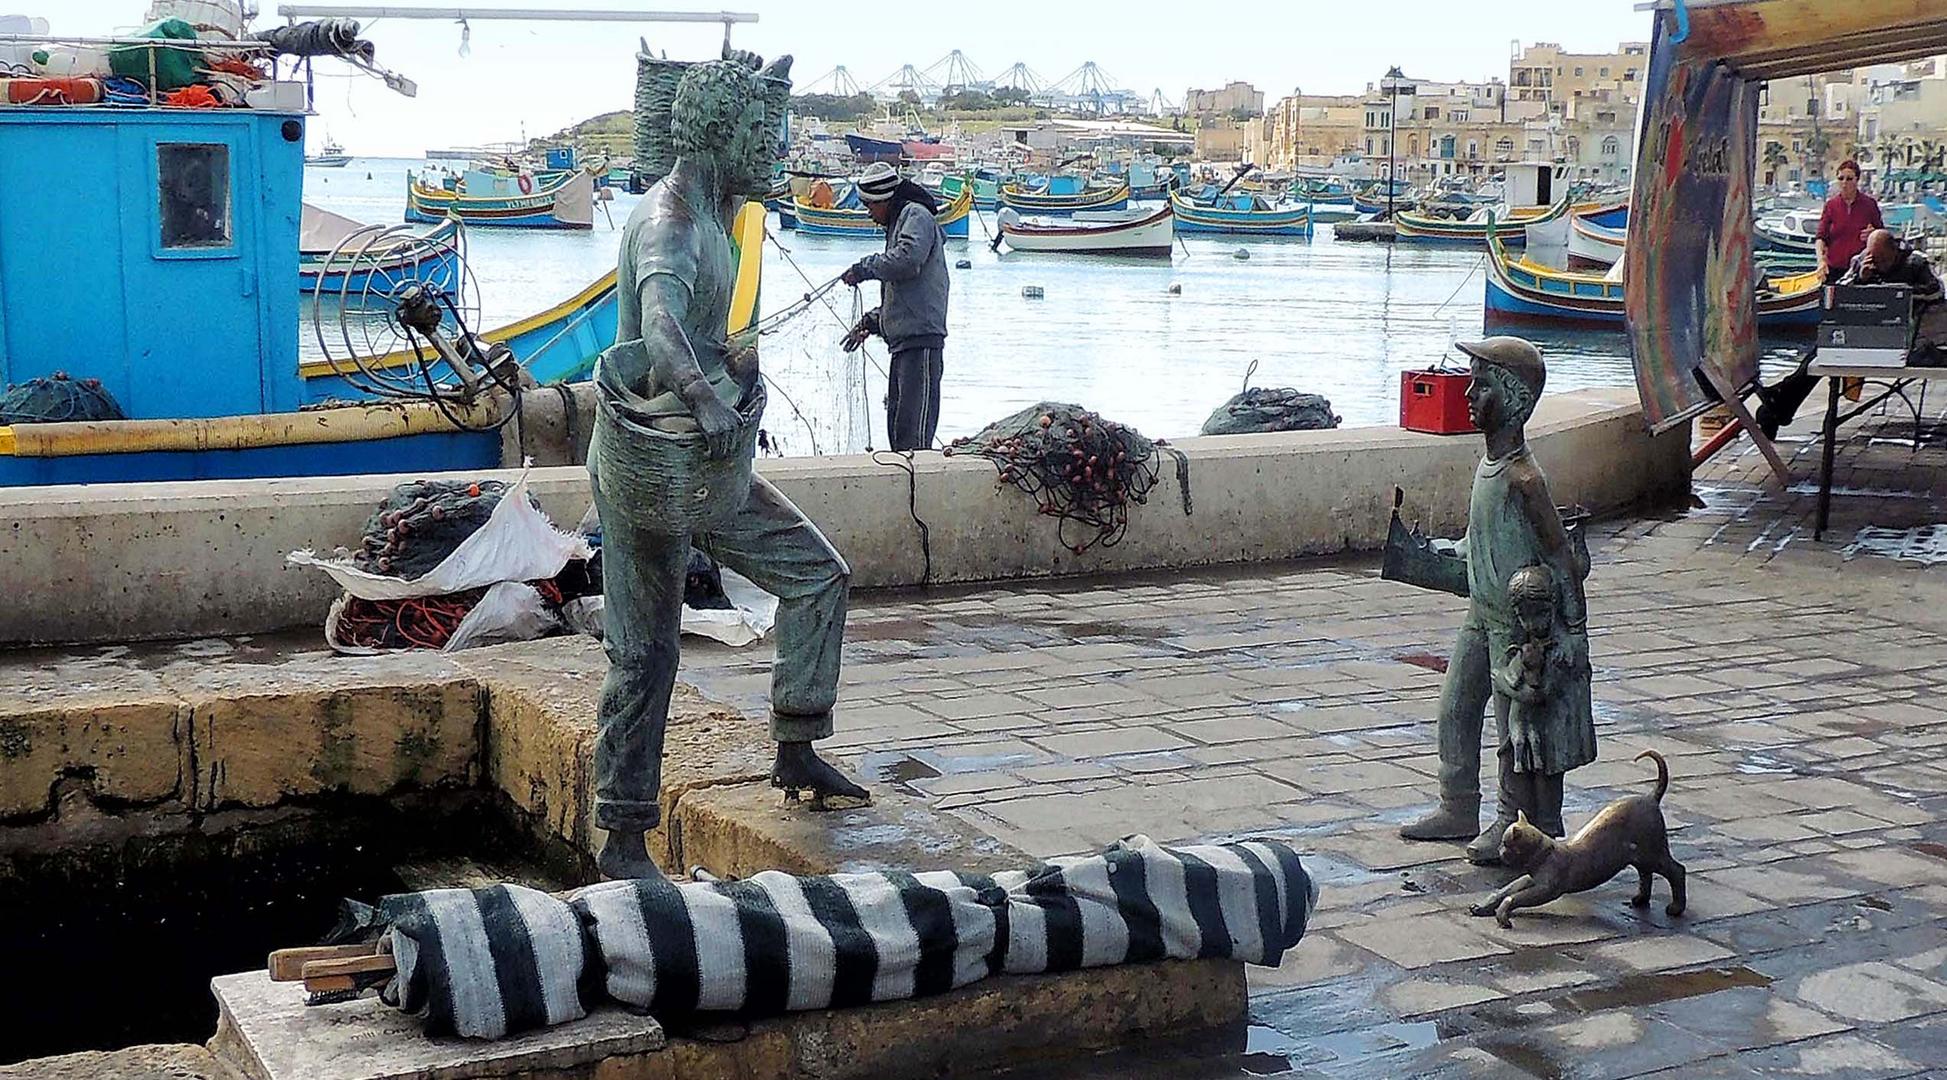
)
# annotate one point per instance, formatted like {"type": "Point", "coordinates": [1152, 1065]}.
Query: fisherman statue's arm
{"type": "Point", "coordinates": [673, 365]}
{"type": "Point", "coordinates": [1415, 559]}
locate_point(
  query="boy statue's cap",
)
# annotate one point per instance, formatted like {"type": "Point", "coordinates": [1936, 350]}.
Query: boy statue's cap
{"type": "Point", "coordinates": [1517, 355]}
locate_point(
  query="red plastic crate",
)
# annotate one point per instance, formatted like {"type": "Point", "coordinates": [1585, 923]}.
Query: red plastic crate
{"type": "Point", "coordinates": [1434, 402]}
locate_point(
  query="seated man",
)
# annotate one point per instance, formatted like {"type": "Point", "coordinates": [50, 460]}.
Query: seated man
{"type": "Point", "coordinates": [1885, 261]}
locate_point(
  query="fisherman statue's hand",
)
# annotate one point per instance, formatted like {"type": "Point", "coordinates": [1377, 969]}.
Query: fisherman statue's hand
{"type": "Point", "coordinates": [718, 423]}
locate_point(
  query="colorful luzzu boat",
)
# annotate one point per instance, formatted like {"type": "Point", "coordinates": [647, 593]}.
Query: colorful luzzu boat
{"type": "Point", "coordinates": [1519, 291]}
{"type": "Point", "coordinates": [544, 200]}
{"type": "Point", "coordinates": [986, 189]}
{"type": "Point", "coordinates": [854, 220]}
{"type": "Point", "coordinates": [1595, 239]}
{"type": "Point", "coordinates": [1238, 214]}
{"type": "Point", "coordinates": [214, 387]}
{"type": "Point", "coordinates": [1064, 195]}
{"type": "Point", "coordinates": [337, 255]}
{"type": "Point", "coordinates": [1423, 229]}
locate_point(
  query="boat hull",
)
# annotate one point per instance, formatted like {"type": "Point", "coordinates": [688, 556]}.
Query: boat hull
{"type": "Point", "coordinates": [1420, 229]}
{"type": "Point", "coordinates": [435, 259]}
{"type": "Point", "coordinates": [1591, 246]}
{"type": "Point", "coordinates": [1014, 197]}
{"type": "Point", "coordinates": [1152, 236]}
{"type": "Point", "coordinates": [1192, 217]}
{"type": "Point", "coordinates": [563, 202]}
{"type": "Point", "coordinates": [1519, 293]}
{"type": "Point", "coordinates": [814, 221]}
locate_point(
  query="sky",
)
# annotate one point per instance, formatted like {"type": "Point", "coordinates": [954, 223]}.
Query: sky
{"type": "Point", "coordinates": [533, 78]}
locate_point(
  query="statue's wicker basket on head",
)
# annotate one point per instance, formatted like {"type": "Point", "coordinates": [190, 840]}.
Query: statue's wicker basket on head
{"type": "Point", "coordinates": [664, 482]}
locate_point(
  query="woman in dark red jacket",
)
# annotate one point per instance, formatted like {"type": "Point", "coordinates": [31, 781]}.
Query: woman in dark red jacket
{"type": "Point", "coordinates": [1845, 222]}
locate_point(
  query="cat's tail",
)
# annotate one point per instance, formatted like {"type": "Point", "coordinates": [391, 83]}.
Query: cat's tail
{"type": "Point", "coordinates": [1662, 771]}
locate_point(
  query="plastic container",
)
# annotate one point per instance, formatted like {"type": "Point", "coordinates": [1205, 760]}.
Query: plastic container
{"type": "Point", "coordinates": [1434, 402]}
{"type": "Point", "coordinates": [12, 55]}
{"type": "Point", "coordinates": [72, 62]}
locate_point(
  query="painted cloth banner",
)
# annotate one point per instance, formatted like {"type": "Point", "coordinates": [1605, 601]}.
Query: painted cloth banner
{"type": "Point", "coordinates": [1689, 278]}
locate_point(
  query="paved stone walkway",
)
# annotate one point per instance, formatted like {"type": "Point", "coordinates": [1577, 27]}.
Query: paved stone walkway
{"type": "Point", "coordinates": [1795, 687]}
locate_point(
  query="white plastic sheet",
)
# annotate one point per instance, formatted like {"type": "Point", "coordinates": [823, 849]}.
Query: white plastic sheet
{"type": "Point", "coordinates": [753, 615]}
{"type": "Point", "coordinates": [517, 543]}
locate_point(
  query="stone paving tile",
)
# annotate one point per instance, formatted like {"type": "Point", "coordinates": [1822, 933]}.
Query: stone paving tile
{"type": "Point", "coordinates": [1792, 687]}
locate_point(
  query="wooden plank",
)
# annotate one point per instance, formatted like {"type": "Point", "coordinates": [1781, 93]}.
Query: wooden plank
{"type": "Point", "coordinates": [287, 965]}
{"type": "Point", "coordinates": [375, 964]}
{"type": "Point", "coordinates": [1736, 404]}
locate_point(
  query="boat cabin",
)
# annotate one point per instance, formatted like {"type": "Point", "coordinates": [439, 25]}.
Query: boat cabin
{"type": "Point", "coordinates": [153, 249]}
{"type": "Point", "coordinates": [1531, 183]}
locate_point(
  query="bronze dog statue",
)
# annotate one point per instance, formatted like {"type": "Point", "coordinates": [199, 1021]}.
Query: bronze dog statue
{"type": "Point", "coordinates": [1628, 832]}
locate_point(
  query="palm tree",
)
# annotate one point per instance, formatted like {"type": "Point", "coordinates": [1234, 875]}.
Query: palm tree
{"type": "Point", "coordinates": [1889, 154]}
{"type": "Point", "coordinates": [1775, 158]}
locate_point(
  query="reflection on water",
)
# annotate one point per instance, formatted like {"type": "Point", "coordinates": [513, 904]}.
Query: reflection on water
{"type": "Point", "coordinates": [1150, 343]}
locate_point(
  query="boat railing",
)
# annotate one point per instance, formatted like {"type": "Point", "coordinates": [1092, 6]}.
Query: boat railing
{"type": "Point", "coordinates": [152, 97]}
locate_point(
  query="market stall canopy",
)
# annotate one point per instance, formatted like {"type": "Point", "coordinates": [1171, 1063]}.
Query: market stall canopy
{"type": "Point", "coordinates": [1689, 294]}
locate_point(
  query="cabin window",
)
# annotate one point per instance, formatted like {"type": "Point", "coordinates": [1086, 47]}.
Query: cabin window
{"type": "Point", "coordinates": [194, 196]}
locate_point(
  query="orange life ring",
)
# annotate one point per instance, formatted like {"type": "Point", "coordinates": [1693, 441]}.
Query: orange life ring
{"type": "Point", "coordinates": [527, 184]}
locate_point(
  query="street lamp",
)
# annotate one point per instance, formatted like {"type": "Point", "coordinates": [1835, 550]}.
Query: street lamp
{"type": "Point", "coordinates": [1391, 85]}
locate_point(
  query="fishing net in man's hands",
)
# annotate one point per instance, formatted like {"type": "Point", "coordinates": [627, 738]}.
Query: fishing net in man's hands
{"type": "Point", "coordinates": [1076, 466]}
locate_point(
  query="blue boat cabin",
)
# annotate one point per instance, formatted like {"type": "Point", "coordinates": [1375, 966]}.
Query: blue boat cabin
{"type": "Point", "coordinates": [153, 249]}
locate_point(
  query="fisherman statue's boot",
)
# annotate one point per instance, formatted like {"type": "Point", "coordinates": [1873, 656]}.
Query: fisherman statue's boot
{"type": "Point", "coordinates": [805, 776]}
{"type": "Point", "coordinates": [1453, 819]}
{"type": "Point", "coordinates": [625, 857]}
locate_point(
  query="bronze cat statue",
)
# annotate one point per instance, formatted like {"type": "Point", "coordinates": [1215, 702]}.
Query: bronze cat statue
{"type": "Point", "coordinates": [1628, 832]}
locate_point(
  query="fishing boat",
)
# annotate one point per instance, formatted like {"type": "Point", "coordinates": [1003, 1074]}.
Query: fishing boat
{"type": "Point", "coordinates": [546, 199]}
{"type": "Point", "coordinates": [1595, 237]}
{"type": "Point", "coordinates": [986, 188]}
{"type": "Point", "coordinates": [1410, 227]}
{"type": "Point", "coordinates": [851, 218]}
{"type": "Point", "coordinates": [1064, 195]}
{"type": "Point", "coordinates": [164, 314]}
{"type": "Point", "coordinates": [1793, 231]}
{"type": "Point", "coordinates": [336, 254]}
{"type": "Point", "coordinates": [1149, 181]}
{"type": "Point", "coordinates": [1237, 213]}
{"type": "Point", "coordinates": [1141, 231]}
{"type": "Point", "coordinates": [1372, 198]}
{"type": "Point", "coordinates": [1323, 193]}
{"type": "Point", "coordinates": [867, 148]}
{"type": "Point", "coordinates": [333, 157]}
{"type": "Point", "coordinates": [1521, 291]}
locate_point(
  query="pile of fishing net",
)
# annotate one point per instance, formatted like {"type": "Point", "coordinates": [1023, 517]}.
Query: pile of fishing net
{"type": "Point", "coordinates": [1076, 466]}
{"type": "Point", "coordinates": [1263, 409]}
{"type": "Point", "coordinates": [449, 565]}
{"type": "Point", "coordinates": [52, 399]}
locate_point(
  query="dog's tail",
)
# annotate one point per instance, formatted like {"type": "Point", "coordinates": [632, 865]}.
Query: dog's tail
{"type": "Point", "coordinates": [1662, 771]}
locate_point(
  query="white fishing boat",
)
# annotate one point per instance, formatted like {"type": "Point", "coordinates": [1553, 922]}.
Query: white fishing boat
{"type": "Point", "coordinates": [1143, 231]}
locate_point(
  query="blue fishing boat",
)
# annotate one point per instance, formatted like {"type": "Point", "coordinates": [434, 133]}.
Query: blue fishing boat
{"type": "Point", "coordinates": [850, 217]}
{"type": "Point", "coordinates": [339, 255]}
{"type": "Point", "coordinates": [1524, 292]}
{"type": "Point", "coordinates": [547, 199]}
{"type": "Point", "coordinates": [1238, 213]}
{"type": "Point", "coordinates": [986, 188]}
{"type": "Point", "coordinates": [1065, 194]}
{"type": "Point", "coordinates": [867, 148]}
{"type": "Point", "coordinates": [167, 303]}
{"type": "Point", "coordinates": [1372, 199]}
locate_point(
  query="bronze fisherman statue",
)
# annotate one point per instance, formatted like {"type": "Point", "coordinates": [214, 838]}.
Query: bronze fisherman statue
{"type": "Point", "coordinates": [684, 384]}
{"type": "Point", "coordinates": [1524, 643]}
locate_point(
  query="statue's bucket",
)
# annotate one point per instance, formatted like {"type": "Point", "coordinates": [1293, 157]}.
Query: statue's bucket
{"type": "Point", "coordinates": [664, 482]}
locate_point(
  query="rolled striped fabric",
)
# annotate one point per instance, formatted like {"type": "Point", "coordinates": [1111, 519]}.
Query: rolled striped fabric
{"type": "Point", "coordinates": [484, 963]}
{"type": "Point", "coordinates": [775, 943]}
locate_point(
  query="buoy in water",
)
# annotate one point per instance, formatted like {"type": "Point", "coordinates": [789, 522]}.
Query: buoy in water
{"type": "Point", "coordinates": [963, 264]}
{"type": "Point", "coordinates": [1176, 288]}
{"type": "Point", "coordinates": [1240, 253]}
{"type": "Point", "coordinates": [1031, 292]}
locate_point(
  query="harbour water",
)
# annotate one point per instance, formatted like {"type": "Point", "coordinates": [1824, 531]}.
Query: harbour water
{"type": "Point", "coordinates": [1153, 344]}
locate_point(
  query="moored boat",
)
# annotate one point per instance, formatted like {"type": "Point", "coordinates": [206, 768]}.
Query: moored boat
{"type": "Point", "coordinates": [1594, 243]}
{"type": "Point", "coordinates": [1064, 195]}
{"type": "Point", "coordinates": [986, 188]}
{"type": "Point", "coordinates": [336, 254]}
{"type": "Point", "coordinates": [1141, 231]}
{"type": "Point", "coordinates": [1412, 227]}
{"type": "Point", "coordinates": [855, 220]}
{"type": "Point", "coordinates": [333, 157]}
{"type": "Point", "coordinates": [1520, 291]}
{"type": "Point", "coordinates": [549, 199]}
{"type": "Point", "coordinates": [867, 148]}
{"type": "Point", "coordinates": [1238, 214]}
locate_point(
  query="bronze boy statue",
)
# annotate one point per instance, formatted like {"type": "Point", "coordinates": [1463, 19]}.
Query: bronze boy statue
{"type": "Point", "coordinates": [675, 277]}
{"type": "Point", "coordinates": [1512, 525]}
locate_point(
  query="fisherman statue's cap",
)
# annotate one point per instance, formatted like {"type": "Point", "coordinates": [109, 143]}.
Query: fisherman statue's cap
{"type": "Point", "coordinates": [877, 182]}
{"type": "Point", "coordinates": [1517, 356]}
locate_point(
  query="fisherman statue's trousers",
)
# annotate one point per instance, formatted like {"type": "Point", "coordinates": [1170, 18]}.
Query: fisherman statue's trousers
{"type": "Point", "coordinates": [770, 542]}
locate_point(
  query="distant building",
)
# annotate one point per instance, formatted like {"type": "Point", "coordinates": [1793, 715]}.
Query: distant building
{"type": "Point", "coordinates": [1053, 138]}
{"type": "Point", "coordinates": [1227, 140]}
{"type": "Point", "coordinates": [1309, 131]}
{"type": "Point", "coordinates": [1544, 73]}
{"type": "Point", "coordinates": [1234, 97]}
